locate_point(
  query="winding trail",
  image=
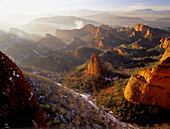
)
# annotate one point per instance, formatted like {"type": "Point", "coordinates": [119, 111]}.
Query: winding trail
{"type": "Point", "coordinates": [86, 97]}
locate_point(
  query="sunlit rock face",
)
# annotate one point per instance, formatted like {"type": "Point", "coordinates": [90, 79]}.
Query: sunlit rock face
{"type": "Point", "coordinates": [151, 86]}
{"type": "Point", "coordinates": [95, 67]}
{"type": "Point", "coordinates": [142, 28]}
{"type": "Point", "coordinates": [165, 42]}
{"type": "Point", "coordinates": [18, 106]}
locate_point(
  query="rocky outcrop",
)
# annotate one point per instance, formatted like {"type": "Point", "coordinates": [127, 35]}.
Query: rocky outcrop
{"type": "Point", "coordinates": [130, 31]}
{"type": "Point", "coordinates": [135, 46]}
{"type": "Point", "coordinates": [103, 30]}
{"type": "Point", "coordinates": [88, 28]}
{"type": "Point", "coordinates": [95, 67]}
{"type": "Point", "coordinates": [153, 34]}
{"type": "Point", "coordinates": [99, 43]}
{"type": "Point", "coordinates": [119, 51]}
{"type": "Point", "coordinates": [165, 42]}
{"type": "Point", "coordinates": [151, 86]}
{"type": "Point", "coordinates": [18, 105]}
{"type": "Point", "coordinates": [142, 28]}
{"type": "Point", "coordinates": [76, 42]}
{"type": "Point", "coordinates": [97, 32]}
{"type": "Point", "coordinates": [123, 29]}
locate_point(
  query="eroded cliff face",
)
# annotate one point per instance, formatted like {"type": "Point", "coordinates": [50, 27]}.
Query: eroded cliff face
{"type": "Point", "coordinates": [142, 28]}
{"type": "Point", "coordinates": [165, 42]}
{"type": "Point", "coordinates": [151, 86]}
{"type": "Point", "coordinates": [18, 107]}
{"type": "Point", "coordinates": [95, 67]}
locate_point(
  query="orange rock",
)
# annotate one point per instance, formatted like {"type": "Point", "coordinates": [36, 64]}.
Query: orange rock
{"type": "Point", "coordinates": [123, 45]}
{"type": "Point", "coordinates": [165, 42]}
{"type": "Point", "coordinates": [101, 43]}
{"type": "Point", "coordinates": [119, 51]}
{"type": "Point", "coordinates": [135, 46]}
{"type": "Point", "coordinates": [141, 28]}
{"type": "Point", "coordinates": [95, 67]}
{"type": "Point", "coordinates": [98, 43]}
{"type": "Point", "coordinates": [151, 86]}
{"type": "Point", "coordinates": [98, 32]}
{"type": "Point", "coordinates": [133, 34]}
{"type": "Point", "coordinates": [132, 30]}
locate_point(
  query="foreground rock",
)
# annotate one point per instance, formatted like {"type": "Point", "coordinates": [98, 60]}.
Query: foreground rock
{"type": "Point", "coordinates": [95, 67]}
{"type": "Point", "coordinates": [18, 106]}
{"type": "Point", "coordinates": [151, 86]}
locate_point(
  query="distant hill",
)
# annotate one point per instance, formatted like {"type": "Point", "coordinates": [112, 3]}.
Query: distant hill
{"type": "Point", "coordinates": [52, 42]}
{"type": "Point", "coordinates": [149, 12]}
{"type": "Point", "coordinates": [110, 19]}
{"type": "Point", "coordinates": [160, 22]}
{"type": "Point", "coordinates": [23, 34]}
{"type": "Point", "coordinates": [147, 16]}
{"type": "Point", "coordinates": [50, 24]}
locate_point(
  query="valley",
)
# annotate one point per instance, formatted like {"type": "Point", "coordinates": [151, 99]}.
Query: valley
{"type": "Point", "coordinates": [97, 70]}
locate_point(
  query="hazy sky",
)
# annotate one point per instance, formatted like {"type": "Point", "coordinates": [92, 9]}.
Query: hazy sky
{"type": "Point", "coordinates": [23, 11]}
{"type": "Point", "coordinates": [50, 6]}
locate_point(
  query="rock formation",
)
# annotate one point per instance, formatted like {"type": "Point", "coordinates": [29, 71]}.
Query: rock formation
{"type": "Point", "coordinates": [95, 67]}
{"type": "Point", "coordinates": [131, 30]}
{"type": "Point", "coordinates": [119, 51]}
{"type": "Point", "coordinates": [18, 105]}
{"type": "Point", "coordinates": [76, 42]}
{"type": "Point", "coordinates": [142, 28]}
{"type": "Point", "coordinates": [97, 32]}
{"type": "Point", "coordinates": [165, 42]}
{"type": "Point", "coordinates": [135, 46]}
{"type": "Point", "coordinates": [88, 28]}
{"type": "Point", "coordinates": [99, 43]}
{"type": "Point", "coordinates": [151, 86]}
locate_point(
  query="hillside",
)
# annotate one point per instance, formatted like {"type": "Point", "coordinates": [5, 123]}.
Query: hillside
{"type": "Point", "coordinates": [51, 42]}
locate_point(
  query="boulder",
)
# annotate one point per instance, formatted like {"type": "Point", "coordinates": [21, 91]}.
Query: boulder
{"type": "Point", "coordinates": [151, 86]}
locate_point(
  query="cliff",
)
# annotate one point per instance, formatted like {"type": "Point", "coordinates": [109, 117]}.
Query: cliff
{"type": "Point", "coordinates": [165, 42]}
{"type": "Point", "coordinates": [76, 42]}
{"type": "Point", "coordinates": [18, 107]}
{"type": "Point", "coordinates": [142, 28]}
{"type": "Point", "coordinates": [151, 86]}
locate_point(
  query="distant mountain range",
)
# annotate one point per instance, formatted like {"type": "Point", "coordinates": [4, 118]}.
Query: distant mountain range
{"type": "Point", "coordinates": [50, 24]}
{"type": "Point", "coordinates": [149, 11]}
{"type": "Point", "coordinates": [79, 18]}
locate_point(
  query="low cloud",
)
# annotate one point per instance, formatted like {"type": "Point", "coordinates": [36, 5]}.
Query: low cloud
{"type": "Point", "coordinates": [79, 24]}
